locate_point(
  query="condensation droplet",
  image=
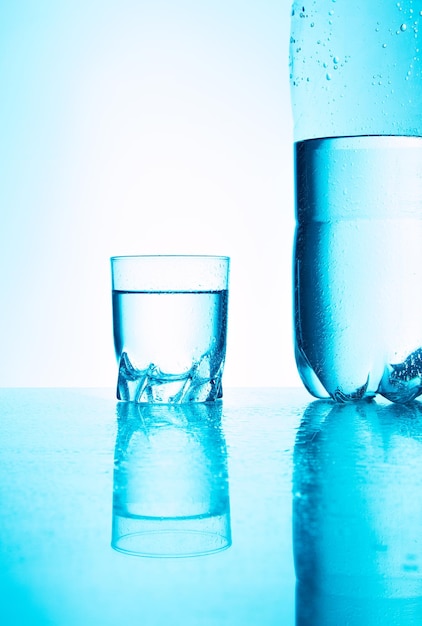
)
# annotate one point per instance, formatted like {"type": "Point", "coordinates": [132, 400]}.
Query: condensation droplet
{"type": "Point", "coordinates": [312, 24]}
{"type": "Point", "coordinates": [384, 45]}
{"type": "Point", "coordinates": [336, 60]}
{"type": "Point", "coordinates": [403, 28]}
{"type": "Point", "coordinates": [328, 75]}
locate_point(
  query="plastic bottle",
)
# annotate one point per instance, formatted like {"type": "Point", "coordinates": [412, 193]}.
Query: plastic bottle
{"type": "Point", "coordinates": [356, 88]}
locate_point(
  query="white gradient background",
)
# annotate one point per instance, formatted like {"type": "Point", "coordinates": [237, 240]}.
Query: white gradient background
{"type": "Point", "coordinates": [134, 127]}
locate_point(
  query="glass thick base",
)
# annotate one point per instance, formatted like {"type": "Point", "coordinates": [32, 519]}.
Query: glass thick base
{"type": "Point", "coordinates": [151, 385]}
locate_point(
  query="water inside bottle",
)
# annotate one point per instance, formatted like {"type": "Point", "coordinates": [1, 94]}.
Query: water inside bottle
{"type": "Point", "coordinates": [358, 267]}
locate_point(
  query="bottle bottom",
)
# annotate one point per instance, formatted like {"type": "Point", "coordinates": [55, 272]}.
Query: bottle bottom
{"type": "Point", "coordinates": [400, 382]}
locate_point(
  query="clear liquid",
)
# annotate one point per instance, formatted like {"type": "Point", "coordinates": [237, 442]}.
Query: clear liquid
{"type": "Point", "coordinates": [358, 267]}
{"type": "Point", "coordinates": [170, 345]}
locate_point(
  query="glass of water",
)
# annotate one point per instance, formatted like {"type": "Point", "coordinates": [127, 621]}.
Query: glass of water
{"type": "Point", "coordinates": [170, 327]}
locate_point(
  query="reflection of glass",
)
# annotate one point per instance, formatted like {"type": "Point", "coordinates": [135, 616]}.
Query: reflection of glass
{"type": "Point", "coordinates": [171, 493]}
{"type": "Point", "coordinates": [357, 515]}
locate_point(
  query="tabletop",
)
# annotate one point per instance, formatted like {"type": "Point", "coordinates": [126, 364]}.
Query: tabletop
{"type": "Point", "coordinates": [267, 508]}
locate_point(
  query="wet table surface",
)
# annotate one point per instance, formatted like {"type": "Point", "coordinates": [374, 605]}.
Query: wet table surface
{"type": "Point", "coordinates": [287, 511]}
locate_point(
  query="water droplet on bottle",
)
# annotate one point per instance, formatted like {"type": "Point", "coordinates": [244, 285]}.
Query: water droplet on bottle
{"type": "Point", "coordinates": [328, 75]}
{"type": "Point", "coordinates": [403, 27]}
{"type": "Point", "coordinates": [336, 60]}
{"type": "Point", "coordinates": [312, 24]}
{"type": "Point", "coordinates": [384, 45]}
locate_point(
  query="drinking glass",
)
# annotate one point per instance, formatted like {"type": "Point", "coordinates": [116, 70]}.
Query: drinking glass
{"type": "Point", "coordinates": [170, 327]}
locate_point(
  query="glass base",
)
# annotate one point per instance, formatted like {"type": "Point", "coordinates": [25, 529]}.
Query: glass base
{"type": "Point", "coordinates": [151, 385]}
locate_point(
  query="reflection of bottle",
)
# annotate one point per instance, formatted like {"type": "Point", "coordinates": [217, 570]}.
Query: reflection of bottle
{"type": "Point", "coordinates": [170, 481]}
{"type": "Point", "coordinates": [356, 84]}
{"type": "Point", "coordinates": [357, 515]}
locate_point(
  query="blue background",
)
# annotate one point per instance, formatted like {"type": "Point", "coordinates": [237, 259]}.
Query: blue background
{"type": "Point", "coordinates": [141, 127]}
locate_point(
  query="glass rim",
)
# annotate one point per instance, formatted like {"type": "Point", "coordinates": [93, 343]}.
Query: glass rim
{"type": "Point", "coordinates": [170, 256]}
